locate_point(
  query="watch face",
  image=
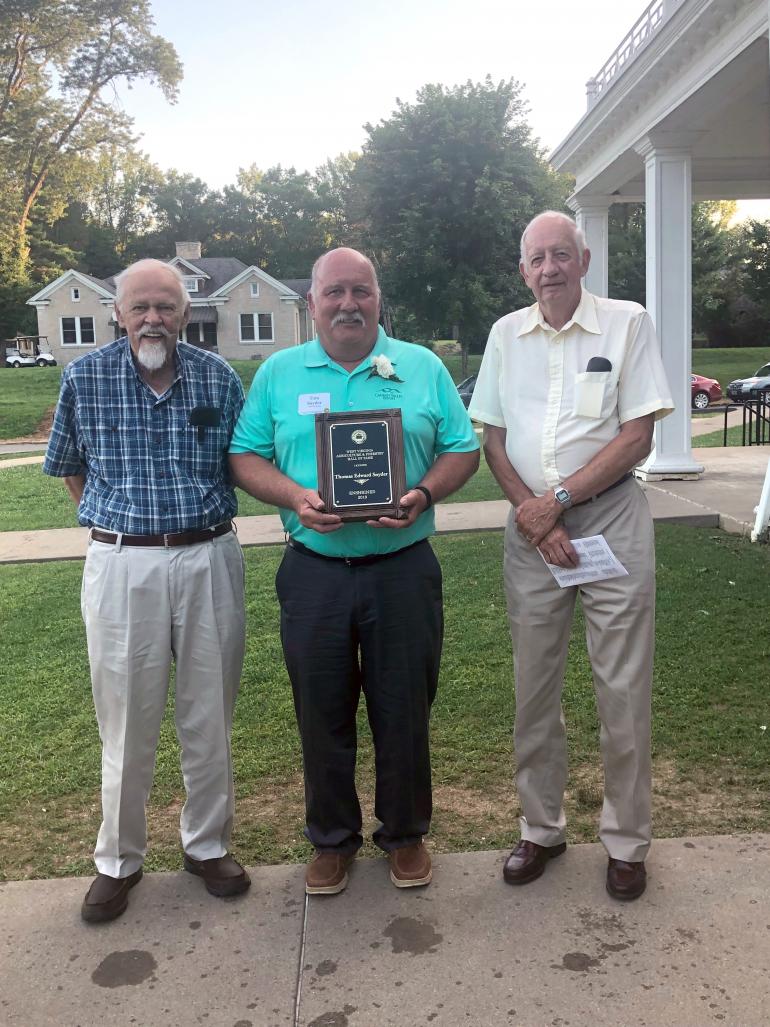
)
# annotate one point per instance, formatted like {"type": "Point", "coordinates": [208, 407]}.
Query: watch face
{"type": "Point", "coordinates": [562, 495]}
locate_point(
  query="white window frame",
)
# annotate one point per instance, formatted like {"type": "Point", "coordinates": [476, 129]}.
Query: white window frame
{"type": "Point", "coordinates": [75, 294]}
{"type": "Point", "coordinates": [78, 333]}
{"type": "Point", "coordinates": [255, 316]}
{"type": "Point", "coordinates": [190, 283]}
{"type": "Point", "coordinates": [254, 289]}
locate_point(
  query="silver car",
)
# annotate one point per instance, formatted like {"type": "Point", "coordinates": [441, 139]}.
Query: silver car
{"type": "Point", "coordinates": [743, 390]}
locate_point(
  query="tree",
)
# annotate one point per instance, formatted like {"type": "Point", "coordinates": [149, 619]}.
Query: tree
{"type": "Point", "coordinates": [719, 265]}
{"type": "Point", "coordinates": [443, 190]}
{"type": "Point", "coordinates": [627, 258]}
{"type": "Point", "coordinates": [183, 208]}
{"type": "Point", "coordinates": [282, 219]}
{"type": "Point", "coordinates": [121, 197]}
{"type": "Point", "coordinates": [333, 185]}
{"type": "Point", "coordinates": [57, 58]}
{"type": "Point", "coordinates": [754, 246]}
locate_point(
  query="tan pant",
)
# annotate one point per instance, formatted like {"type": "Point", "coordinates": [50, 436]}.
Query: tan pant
{"type": "Point", "coordinates": [143, 607]}
{"type": "Point", "coordinates": [620, 632]}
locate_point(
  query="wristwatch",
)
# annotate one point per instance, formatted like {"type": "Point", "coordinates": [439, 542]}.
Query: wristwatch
{"type": "Point", "coordinates": [562, 497]}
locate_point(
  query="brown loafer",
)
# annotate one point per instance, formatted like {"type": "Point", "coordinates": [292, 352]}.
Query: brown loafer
{"type": "Point", "coordinates": [410, 866]}
{"type": "Point", "coordinates": [528, 861]}
{"type": "Point", "coordinates": [223, 875]}
{"type": "Point", "coordinates": [327, 873]}
{"type": "Point", "coordinates": [107, 897]}
{"type": "Point", "coordinates": [625, 881]}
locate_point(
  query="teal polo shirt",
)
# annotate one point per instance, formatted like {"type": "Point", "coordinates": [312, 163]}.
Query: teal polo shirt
{"type": "Point", "coordinates": [278, 424]}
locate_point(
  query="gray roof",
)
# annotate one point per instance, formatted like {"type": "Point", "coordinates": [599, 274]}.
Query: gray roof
{"type": "Point", "coordinates": [105, 283]}
{"type": "Point", "coordinates": [298, 285]}
{"type": "Point", "coordinates": [220, 270]}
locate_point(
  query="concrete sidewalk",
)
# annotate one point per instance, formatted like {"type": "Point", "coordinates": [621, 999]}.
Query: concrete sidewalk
{"type": "Point", "coordinates": [469, 949]}
{"type": "Point", "coordinates": [725, 496]}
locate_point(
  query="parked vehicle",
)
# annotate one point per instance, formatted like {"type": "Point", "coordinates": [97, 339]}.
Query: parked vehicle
{"type": "Point", "coordinates": [29, 351]}
{"type": "Point", "coordinates": [704, 391]}
{"type": "Point", "coordinates": [742, 390]}
{"type": "Point", "coordinates": [466, 387]}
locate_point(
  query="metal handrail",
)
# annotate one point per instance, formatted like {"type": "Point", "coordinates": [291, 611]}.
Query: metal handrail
{"type": "Point", "coordinates": [633, 43]}
{"type": "Point", "coordinates": [756, 420]}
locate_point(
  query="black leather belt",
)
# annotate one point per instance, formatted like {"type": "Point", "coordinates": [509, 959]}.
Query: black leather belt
{"type": "Point", "coordinates": [177, 538]}
{"type": "Point", "coordinates": [614, 485]}
{"type": "Point", "coordinates": [352, 561]}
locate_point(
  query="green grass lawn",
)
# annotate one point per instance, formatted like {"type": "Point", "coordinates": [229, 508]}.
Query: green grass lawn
{"type": "Point", "coordinates": [30, 500]}
{"type": "Point", "coordinates": [28, 394]}
{"type": "Point", "coordinates": [711, 705]}
{"type": "Point", "coordinates": [728, 364]}
{"type": "Point", "coordinates": [717, 438]}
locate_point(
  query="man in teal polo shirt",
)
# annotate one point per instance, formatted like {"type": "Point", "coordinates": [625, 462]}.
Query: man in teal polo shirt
{"type": "Point", "coordinates": [361, 604]}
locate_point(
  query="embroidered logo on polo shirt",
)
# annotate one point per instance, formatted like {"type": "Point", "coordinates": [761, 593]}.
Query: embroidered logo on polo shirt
{"type": "Point", "coordinates": [388, 393]}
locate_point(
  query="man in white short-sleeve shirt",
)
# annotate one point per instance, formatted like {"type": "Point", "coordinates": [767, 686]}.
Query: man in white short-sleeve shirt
{"type": "Point", "coordinates": [568, 392]}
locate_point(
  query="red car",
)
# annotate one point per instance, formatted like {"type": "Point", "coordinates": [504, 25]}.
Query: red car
{"type": "Point", "coordinates": [704, 391]}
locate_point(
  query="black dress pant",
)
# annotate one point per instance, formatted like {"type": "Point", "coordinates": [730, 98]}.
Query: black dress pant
{"type": "Point", "coordinates": [377, 626]}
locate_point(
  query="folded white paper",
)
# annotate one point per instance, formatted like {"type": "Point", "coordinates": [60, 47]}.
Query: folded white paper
{"type": "Point", "coordinates": [597, 562]}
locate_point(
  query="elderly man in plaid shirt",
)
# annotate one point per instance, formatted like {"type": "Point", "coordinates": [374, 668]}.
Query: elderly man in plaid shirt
{"type": "Point", "coordinates": [140, 438]}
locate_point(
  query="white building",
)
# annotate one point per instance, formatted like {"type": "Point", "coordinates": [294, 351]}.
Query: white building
{"type": "Point", "coordinates": [239, 311]}
{"type": "Point", "coordinates": [680, 112]}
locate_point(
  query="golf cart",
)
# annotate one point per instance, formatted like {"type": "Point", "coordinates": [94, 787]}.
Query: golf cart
{"type": "Point", "coordinates": [29, 351]}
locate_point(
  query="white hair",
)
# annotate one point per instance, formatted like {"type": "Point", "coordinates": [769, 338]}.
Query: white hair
{"type": "Point", "coordinates": [317, 267]}
{"type": "Point", "coordinates": [148, 264]}
{"type": "Point", "coordinates": [580, 239]}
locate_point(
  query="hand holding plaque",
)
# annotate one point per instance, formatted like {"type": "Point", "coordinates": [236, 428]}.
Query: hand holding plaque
{"type": "Point", "coordinates": [360, 454]}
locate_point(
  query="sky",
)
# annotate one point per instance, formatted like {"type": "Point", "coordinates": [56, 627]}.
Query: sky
{"type": "Point", "coordinates": [294, 82]}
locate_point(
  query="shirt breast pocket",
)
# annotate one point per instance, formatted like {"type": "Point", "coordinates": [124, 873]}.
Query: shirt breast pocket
{"type": "Point", "coordinates": [112, 445]}
{"type": "Point", "coordinates": [591, 389]}
{"type": "Point", "coordinates": [201, 449]}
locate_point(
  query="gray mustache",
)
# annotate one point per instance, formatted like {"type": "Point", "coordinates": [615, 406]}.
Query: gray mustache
{"type": "Point", "coordinates": [153, 331]}
{"type": "Point", "coordinates": [348, 319]}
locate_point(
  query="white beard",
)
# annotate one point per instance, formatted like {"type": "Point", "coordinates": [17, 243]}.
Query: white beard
{"type": "Point", "coordinates": [152, 355]}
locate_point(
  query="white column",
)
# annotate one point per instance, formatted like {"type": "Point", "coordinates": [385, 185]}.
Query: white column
{"type": "Point", "coordinates": [668, 196]}
{"type": "Point", "coordinates": [592, 215]}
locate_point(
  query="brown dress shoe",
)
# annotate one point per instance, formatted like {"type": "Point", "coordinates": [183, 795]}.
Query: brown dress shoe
{"type": "Point", "coordinates": [223, 875]}
{"type": "Point", "coordinates": [528, 861]}
{"type": "Point", "coordinates": [107, 897]}
{"type": "Point", "coordinates": [327, 873]}
{"type": "Point", "coordinates": [625, 881]}
{"type": "Point", "coordinates": [410, 866]}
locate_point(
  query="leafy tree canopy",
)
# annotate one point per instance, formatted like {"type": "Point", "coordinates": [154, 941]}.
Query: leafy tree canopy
{"type": "Point", "coordinates": [57, 60]}
{"type": "Point", "coordinates": [443, 190]}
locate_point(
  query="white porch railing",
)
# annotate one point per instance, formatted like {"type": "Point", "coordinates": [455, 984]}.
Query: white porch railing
{"type": "Point", "coordinates": [637, 39]}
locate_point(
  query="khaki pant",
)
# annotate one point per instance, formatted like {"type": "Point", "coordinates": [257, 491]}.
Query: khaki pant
{"type": "Point", "coordinates": [620, 631]}
{"type": "Point", "coordinates": [142, 608]}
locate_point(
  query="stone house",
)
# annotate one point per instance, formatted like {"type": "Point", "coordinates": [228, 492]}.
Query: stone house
{"type": "Point", "coordinates": [240, 312]}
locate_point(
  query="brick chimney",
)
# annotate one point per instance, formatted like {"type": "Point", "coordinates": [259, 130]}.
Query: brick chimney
{"type": "Point", "coordinates": [188, 250]}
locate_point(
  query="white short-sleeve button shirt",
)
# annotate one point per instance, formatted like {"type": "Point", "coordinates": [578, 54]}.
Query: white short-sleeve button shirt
{"type": "Point", "coordinates": [533, 382]}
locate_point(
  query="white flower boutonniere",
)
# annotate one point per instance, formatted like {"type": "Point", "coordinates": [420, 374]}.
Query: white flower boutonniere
{"type": "Point", "coordinates": [382, 368]}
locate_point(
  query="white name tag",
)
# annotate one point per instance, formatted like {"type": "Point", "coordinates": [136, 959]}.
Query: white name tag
{"type": "Point", "coordinates": [314, 402]}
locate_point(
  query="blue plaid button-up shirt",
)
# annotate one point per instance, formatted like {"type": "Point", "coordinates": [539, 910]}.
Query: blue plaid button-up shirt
{"type": "Point", "coordinates": [148, 470]}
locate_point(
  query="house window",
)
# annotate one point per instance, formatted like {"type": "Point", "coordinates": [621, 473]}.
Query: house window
{"type": "Point", "coordinates": [255, 288]}
{"type": "Point", "coordinates": [191, 284]}
{"type": "Point", "coordinates": [77, 331]}
{"type": "Point", "coordinates": [202, 334]}
{"type": "Point", "coordinates": [256, 327]}
{"type": "Point", "coordinates": [75, 295]}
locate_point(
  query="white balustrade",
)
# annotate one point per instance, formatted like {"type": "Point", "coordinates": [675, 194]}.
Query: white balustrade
{"type": "Point", "coordinates": [635, 41]}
